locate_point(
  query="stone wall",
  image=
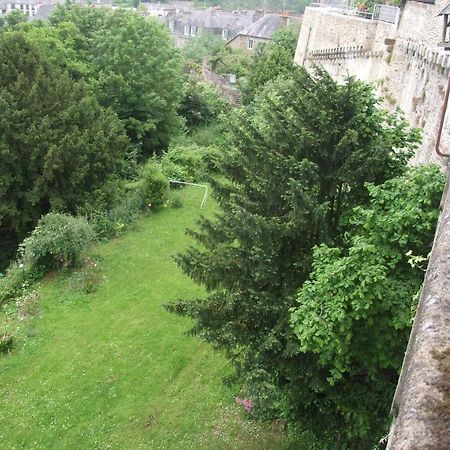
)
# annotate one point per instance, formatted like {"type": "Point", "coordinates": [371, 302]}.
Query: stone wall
{"type": "Point", "coordinates": [421, 406]}
{"type": "Point", "coordinates": [223, 84]}
{"type": "Point", "coordinates": [403, 61]}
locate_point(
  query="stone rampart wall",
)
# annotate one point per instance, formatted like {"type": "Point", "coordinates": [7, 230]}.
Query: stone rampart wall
{"type": "Point", "coordinates": [404, 61]}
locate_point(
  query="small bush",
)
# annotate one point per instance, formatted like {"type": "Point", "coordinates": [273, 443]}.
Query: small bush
{"type": "Point", "coordinates": [58, 241]}
{"type": "Point", "coordinates": [103, 225]}
{"type": "Point", "coordinates": [201, 104]}
{"type": "Point", "coordinates": [176, 203]}
{"type": "Point", "coordinates": [212, 134]}
{"type": "Point", "coordinates": [152, 188]}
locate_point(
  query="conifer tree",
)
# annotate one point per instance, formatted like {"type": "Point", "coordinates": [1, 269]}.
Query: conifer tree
{"type": "Point", "coordinates": [58, 148]}
{"type": "Point", "coordinates": [297, 161]}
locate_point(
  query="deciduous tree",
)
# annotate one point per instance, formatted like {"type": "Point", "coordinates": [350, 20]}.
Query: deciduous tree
{"type": "Point", "coordinates": [135, 70]}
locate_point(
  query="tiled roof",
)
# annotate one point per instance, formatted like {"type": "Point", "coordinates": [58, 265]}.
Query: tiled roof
{"type": "Point", "coordinates": [265, 27]}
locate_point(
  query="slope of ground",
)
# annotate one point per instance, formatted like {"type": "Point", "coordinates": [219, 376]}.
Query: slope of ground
{"type": "Point", "coordinates": [112, 369]}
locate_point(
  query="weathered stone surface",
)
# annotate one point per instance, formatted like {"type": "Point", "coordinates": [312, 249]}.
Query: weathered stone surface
{"type": "Point", "coordinates": [404, 61]}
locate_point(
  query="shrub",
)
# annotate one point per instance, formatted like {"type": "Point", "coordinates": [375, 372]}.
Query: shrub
{"type": "Point", "coordinates": [58, 241]}
{"type": "Point", "coordinates": [206, 136]}
{"type": "Point", "coordinates": [201, 104]}
{"type": "Point", "coordinates": [189, 163]}
{"type": "Point", "coordinates": [176, 203]}
{"type": "Point", "coordinates": [13, 283]}
{"type": "Point", "coordinates": [152, 188]}
{"type": "Point", "coordinates": [103, 225]}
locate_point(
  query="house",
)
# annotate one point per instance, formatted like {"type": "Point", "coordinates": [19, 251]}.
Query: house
{"type": "Point", "coordinates": [187, 24]}
{"type": "Point", "coordinates": [261, 31]}
{"type": "Point", "coordinates": [28, 7]}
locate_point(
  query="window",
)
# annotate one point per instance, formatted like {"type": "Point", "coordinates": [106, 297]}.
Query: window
{"type": "Point", "coordinates": [250, 43]}
{"type": "Point", "coordinates": [171, 25]}
{"type": "Point", "coordinates": [225, 34]}
{"type": "Point", "coordinates": [193, 31]}
{"type": "Point", "coordinates": [186, 30]}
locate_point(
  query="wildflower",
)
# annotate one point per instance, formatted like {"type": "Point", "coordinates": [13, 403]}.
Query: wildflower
{"type": "Point", "coordinates": [246, 403]}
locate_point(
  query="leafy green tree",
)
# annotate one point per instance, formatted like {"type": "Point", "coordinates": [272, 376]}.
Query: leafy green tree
{"type": "Point", "coordinates": [88, 21]}
{"type": "Point", "coordinates": [135, 70]}
{"type": "Point", "coordinates": [203, 46]}
{"type": "Point", "coordinates": [228, 60]}
{"type": "Point", "coordinates": [201, 103]}
{"type": "Point", "coordinates": [272, 60]}
{"type": "Point", "coordinates": [58, 148]}
{"type": "Point", "coordinates": [63, 45]}
{"type": "Point", "coordinates": [12, 20]}
{"type": "Point", "coordinates": [298, 161]}
{"type": "Point", "coordinates": [353, 316]}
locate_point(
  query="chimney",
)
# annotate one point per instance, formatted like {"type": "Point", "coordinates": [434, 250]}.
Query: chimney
{"type": "Point", "coordinates": [258, 14]}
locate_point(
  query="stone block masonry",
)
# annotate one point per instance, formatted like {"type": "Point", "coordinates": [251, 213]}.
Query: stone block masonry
{"type": "Point", "coordinates": [403, 61]}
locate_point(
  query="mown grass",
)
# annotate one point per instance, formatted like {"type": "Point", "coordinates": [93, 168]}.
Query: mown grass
{"type": "Point", "coordinates": [112, 369]}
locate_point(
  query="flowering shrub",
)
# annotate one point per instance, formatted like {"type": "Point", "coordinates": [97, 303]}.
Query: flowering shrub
{"type": "Point", "coordinates": [13, 283]}
{"type": "Point", "coordinates": [246, 403]}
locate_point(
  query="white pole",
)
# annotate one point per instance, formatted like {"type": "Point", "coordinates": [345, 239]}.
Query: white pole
{"type": "Point", "coordinates": [202, 204]}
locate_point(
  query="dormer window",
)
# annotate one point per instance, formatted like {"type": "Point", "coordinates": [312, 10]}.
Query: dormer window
{"type": "Point", "coordinates": [445, 35]}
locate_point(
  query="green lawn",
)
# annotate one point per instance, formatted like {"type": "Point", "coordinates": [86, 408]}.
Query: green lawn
{"type": "Point", "coordinates": [113, 369]}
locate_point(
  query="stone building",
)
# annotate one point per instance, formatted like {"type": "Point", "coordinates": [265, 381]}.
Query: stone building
{"type": "Point", "coordinates": [185, 24]}
{"type": "Point", "coordinates": [260, 31]}
{"type": "Point", "coordinates": [28, 7]}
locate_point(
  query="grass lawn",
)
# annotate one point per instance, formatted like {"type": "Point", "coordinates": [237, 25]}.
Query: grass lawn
{"type": "Point", "coordinates": [112, 369]}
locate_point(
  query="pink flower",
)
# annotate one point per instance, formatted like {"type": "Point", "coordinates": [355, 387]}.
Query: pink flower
{"type": "Point", "coordinates": [246, 403]}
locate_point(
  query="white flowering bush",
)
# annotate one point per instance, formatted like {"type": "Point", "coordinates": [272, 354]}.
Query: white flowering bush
{"type": "Point", "coordinates": [58, 241]}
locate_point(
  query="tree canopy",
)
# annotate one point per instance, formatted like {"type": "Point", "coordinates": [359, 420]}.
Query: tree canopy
{"type": "Point", "coordinates": [299, 157]}
{"type": "Point", "coordinates": [130, 64]}
{"type": "Point", "coordinates": [59, 148]}
{"type": "Point", "coordinates": [271, 60]}
{"type": "Point", "coordinates": [353, 316]}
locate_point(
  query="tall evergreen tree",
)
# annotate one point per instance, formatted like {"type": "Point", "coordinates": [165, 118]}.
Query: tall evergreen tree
{"type": "Point", "coordinates": [298, 160]}
{"type": "Point", "coordinates": [271, 60]}
{"type": "Point", "coordinates": [58, 148]}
